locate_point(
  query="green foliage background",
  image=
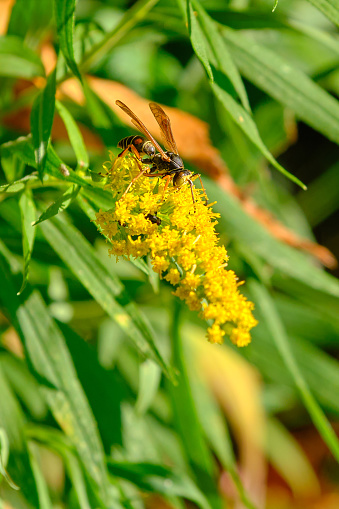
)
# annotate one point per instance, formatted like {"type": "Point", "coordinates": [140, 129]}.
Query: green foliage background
{"type": "Point", "coordinates": [108, 379]}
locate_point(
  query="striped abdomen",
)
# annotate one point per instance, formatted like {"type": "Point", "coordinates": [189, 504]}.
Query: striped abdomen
{"type": "Point", "coordinates": [142, 145]}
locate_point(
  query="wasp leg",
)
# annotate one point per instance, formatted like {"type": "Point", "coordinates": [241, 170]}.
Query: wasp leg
{"type": "Point", "coordinates": [136, 154]}
{"type": "Point", "coordinates": [142, 171]}
{"type": "Point", "coordinates": [202, 186]}
{"type": "Point", "coordinates": [167, 178]}
{"type": "Point", "coordinates": [191, 186]}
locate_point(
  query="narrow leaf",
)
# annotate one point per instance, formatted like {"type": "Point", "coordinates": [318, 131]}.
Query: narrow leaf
{"type": "Point", "coordinates": [28, 214]}
{"type": "Point", "coordinates": [157, 478]}
{"type": "Point", "coordinates": [198, 40]}
{"type": "Point", "coordinates": [248, 126]}
{"type": "Point", "coordinates": [80, 257]}
{"type": "Point", "coordinates": [17, 60]}
{"type": "Point", "coordinates": [187, 420]}
{"type": "Point", "coordinates": [329, 7]}
{"type": "Point", "coordinates": [17, 185]}
{"type": "Point", "coordinates": [64, 15]}
{"type": "Point", "coordinates": [218, 47]}
{"type": "Point", "coordinates": [52, 365]}
{"type": "Point", "coordinates": [12, 422]}
{"type": "Point", "coordinates": [286, 84]}
{"type": "Point", "coordinates": [4, 453]}
{"type": "Point", "coordinates": [74, 134]}
{"type": "Point", "coordinates": [60, 204]}
{"type": "Point", "coordinates": [219, 82]}
{"type": "Point", "coordinates": [149, 380]}
{"type": "Point", "coordinates": [279, 336]}
{"type": "Point", "coordinates": [41, 122]}
{"type": "Point", "coordinates": [243, 228]}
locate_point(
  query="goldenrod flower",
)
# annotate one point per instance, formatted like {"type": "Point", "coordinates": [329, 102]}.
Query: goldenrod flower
{"type": "Point", "coordinates": [183, 248]}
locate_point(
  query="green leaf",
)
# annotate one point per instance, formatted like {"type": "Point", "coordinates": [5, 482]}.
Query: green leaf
{"type": "Point", "coordinates": [12, 422]}
{"type": "Point", "coordinates": [75, 135]}
{"type": "Point", "coordinates": [29, 18]}
{"type": "Point", "coordinates": [41, 484]}
{"type": "Point", "coordinates": [41, 122]}
{"type": "Point", "coordinates": [280, 338]}
{"type": "Point", "coordinates": [288, 85]}
{"type": "Point", "coordinates": [248, 126]}
{"type": "Point", "coordinates": [219, 82]}
{"type": "Point", "coordinates": [329, 7]}
{"type": "Point", "coordinates": [157, 478]}
{"type": "Point", "coordinates": [149, 380]}
{"type": "Point", "coordinates": [187, 421]}
{"type": "Point", "coordinates": [256, 239]}
{"type": "Point", "coordinates": [17, 185]}
{"type": "Point", "coordinates": [28, 215]}
{"type": "Point", "coordinates": [52, 365]}
{"type": "Point", "coordinates": [23, 148]}
{"type": "Point", "coordinates": [198, 40]}
{"type": "Point", "coordinates": [64, 15]}
{"type": "Point", "coordinates": [212, 419]}
{"type": "Point", "coordinates": [60, 204]}
{"type": "Point", "coordinates": [4, 453]}
{"type": "Point", "coordinates": [108, 291]}
{"type": "Point", "coordinates": [17, 60]}
{"type": "Point", "coordinates": [220, 52]}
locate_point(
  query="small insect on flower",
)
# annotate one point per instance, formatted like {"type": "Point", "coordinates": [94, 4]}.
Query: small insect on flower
{"type": "Point", "coordinates": [167, 165]}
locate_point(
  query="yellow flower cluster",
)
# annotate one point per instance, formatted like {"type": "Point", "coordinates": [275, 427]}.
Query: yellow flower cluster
{"type": "Point", "coordinates": [180, 239]}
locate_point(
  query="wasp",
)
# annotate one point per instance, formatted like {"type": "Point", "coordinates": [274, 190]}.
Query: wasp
{"type": "Point", "coordinates": [167, 165]}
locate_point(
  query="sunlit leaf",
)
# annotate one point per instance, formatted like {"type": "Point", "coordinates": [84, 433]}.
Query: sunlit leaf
{"type": "Point", "coordinates": [60, 204]}
{"type": "Point", "coordinates": [286, 84]}
{"type": "Point", "coordinates": [80, 257]}
{"type": "Point", "coordinates": [64, 15]}
{"type": "Point", "coordinates": [74, 134]}
{"type": "Point", "coordinates": [28, 214]}
{"type": "Point", "coordinates": [41, 122]}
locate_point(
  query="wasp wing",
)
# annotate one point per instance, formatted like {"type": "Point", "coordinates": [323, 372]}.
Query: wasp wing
{"type": "Point", "coordinates": [141, 127]}
{"type": "Point", "coordinates": [165, 126]}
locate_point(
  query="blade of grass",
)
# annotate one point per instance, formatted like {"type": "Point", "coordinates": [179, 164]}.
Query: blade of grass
{"type": "Point", "coordinates": [248, 126]}
{"type": "Point", "coordinates": [28, 215]}
{"type": "Point", "coordinates": [278, 335]}
{"type": "Point", "coordinates": [329, 7]}
{"type": "Point", "coordinates": [187, 420]}
{"type": "Point", "coordinates": [41, 122]}
{"type": "Point", "coordinates": [151, 477]}
{"type": "Point", "coordinates": [107, 290]}
{"type": "Point", "coordinates": [12, 421]}
{"type": "Point", "coordinates": [64, 16]}
{"type": "Point", "coordinates": [52, 365]}
{"type": "Point", "coordinates": [219, 83]}
{"type": "Point", "coordinates": [223, 59]}
{"type": "Point", "coordinates": [149, 380]}
{"type": "Point", "coordinates": [60, 204]}
{"type": "Point", "coordinates": [288, 85]}
{"type": "Point", "coordinates": [74, 134]}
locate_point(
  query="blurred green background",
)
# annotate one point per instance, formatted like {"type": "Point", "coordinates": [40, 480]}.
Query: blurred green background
{"type": "Point", "coordinates": [110, 396]}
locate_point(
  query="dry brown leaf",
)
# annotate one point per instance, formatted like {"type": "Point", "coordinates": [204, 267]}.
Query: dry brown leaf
{"type": "Point", "coordinates": [5, 14]}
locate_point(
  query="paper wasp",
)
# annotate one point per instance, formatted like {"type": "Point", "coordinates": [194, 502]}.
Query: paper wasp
{"type": "Point", "coordinates": [167, 165]}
